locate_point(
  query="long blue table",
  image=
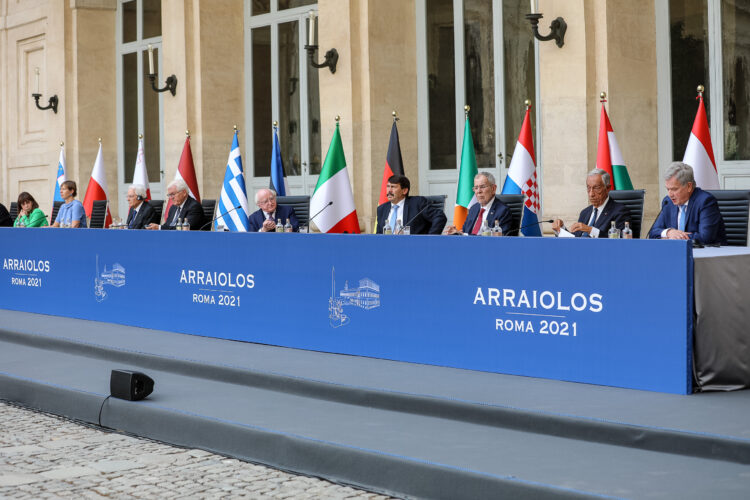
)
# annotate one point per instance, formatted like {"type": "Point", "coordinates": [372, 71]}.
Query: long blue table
{"type": "Point", "coordinates": [609, 312]}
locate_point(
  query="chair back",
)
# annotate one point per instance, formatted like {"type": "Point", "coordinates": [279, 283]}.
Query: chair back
{"type": "Point", "coordinates": [13, 210]}
{"type": "Point", "coordinates": [55, 208]}
{"type": "Point", "coordinates": [209, 207]}
{"type": "Point", "coordinates": [438, 201]}
{"type": "Point", "coordinates": [733, 206]}
{"type": "Point", "coordinates": [514, 202]}
{"type": "Point", "coordinates": [300, 204]}
{"type": "Point", "coordinates": [158, 206]}
{"type": "Point", "coordinates": [98, 214]}
{"type": "Point", "coordinates": [633, 200]}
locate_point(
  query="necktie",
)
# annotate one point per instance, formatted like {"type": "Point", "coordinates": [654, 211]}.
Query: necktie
{"type": "Point", "coordinates": [681, 221]}
{"type": "Point", "coordinates": [176, 215]}
{"type": "Point", "coordinates": [131, 218]}
{"type": "Point", "coordinates": [593, 217]}
{"type": "Point", "coordinates": [478, 223]}
{"type": "Point", "coordinates": [394, 217]}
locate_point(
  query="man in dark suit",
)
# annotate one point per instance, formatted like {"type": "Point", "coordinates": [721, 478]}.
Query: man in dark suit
{"type": "Point", "coordinates": [417, 212]}
{"type": "Point", "coordinates": [596, 219]}
{"type": "Point", "coordinates": [688, 212]}
{"type": "Point", "coordinates": [5, 219]}
{"type": "Point", "coordinates": [141, 213]}
{"type": "Point", "coordinates": [264, 219]}
{"type": "Point", "coordinates": [183, 207]}
{"type": "Point", "coordinates": [487, 208]}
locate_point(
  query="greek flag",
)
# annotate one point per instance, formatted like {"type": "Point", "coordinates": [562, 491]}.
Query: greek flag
{"type": "Point", "coordinates": [278, 176]}
{"type": "Point", "coordinates": [60, 174]}
{"type": "Point", "coordinates": [233, 193]}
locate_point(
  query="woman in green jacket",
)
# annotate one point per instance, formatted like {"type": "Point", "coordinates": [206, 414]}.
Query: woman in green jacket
{"type": "Point", "coordinates": [29, 213]}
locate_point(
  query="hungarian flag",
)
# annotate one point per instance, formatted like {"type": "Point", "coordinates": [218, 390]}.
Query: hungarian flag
{"type": "Point", "coordinates": [393, 164]}
{"type": "Point", "coordinates": [699, 154]}
{"type": "Point", "coordinates": [465, 193]}
{"type": "Point", "coordinates": [278, 175]}
{"type": "Point", "coordinates": [608, 155]}
{"type": "Point", "coordinates": [333, 189]}
{"type": "Point", "coordinates": [97, 188]}
{"type": "Point", "coordinates": [140, 176]}
{"type": "Point", "coordinates": [60, 174]}
{"type": "Point", "coordinates": [186, 172]}
{"type": "Point", "coordinates": [521, 178]}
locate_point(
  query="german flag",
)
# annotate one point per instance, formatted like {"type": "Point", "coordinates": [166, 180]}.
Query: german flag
{"type": "Point", "coordinates": [393, 163]}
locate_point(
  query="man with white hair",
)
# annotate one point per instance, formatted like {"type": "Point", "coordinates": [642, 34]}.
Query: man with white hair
{"type": "Point", "coordinates": [183, 207]}
{"type": "Point", "coordinates": [264, 219]}
{"type": "Point", "coordinates": [141, 213]}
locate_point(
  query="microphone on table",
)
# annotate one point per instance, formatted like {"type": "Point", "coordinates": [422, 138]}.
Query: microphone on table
{"type": "Point", "coordinates": [219, 217]}
{"type": "Point", "coordinates": [319, 212]}
{"type": "Point", "coordinates": [528, 225]}
{"type": "Point", "coordinates": [663, 205]}
{"type": "Point", "coordinates": [428, 205]}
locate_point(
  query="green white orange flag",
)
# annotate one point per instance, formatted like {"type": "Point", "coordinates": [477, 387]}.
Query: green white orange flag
{"type": "Point", "coordinates": [465, 193]}
{"type": "Point", "coordinates": [608, 155]}
{"type": "Point", "coordinates": [332, 199]}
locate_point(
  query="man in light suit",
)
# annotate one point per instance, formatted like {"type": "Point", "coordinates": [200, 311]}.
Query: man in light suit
{"type": "Point", "coordinates": [141, 213]}
{"type": "Point", "coordinates": [688, 212]}
{"type": "Point", "coordinates": [264, 219]}
{"type": "Point", "coordinates": [417, 212]}
{"type": "Point", "coordinates": [596, 219]}
{"type": "Point", "coordinates": [488, 208]}
{"type": "Point", "coordinates": [183, 207]}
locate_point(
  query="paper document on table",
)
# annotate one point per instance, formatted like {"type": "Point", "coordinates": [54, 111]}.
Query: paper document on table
{"type": "Point", "coordinates": [564, 233]}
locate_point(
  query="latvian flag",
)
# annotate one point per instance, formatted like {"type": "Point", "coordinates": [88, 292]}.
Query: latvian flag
{"type": "Point", "coordinates": [333, 189]}
{"type": "Point", "coordinates": [186, 172]}
{"type": "Point", "coordinates": [521, 178]}
{"type": "Point", "coordinates": [608, 155]}
{"type": "Point", "coordinates": [699, 154]}
{"type": "Point", "coordinates": [97, 188]}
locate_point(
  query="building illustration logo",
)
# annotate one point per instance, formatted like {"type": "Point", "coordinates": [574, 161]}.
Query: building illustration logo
{"type": "Point", "coordinates": [114, 276]}
{"type": "Point", "coordinates": [365, 296]}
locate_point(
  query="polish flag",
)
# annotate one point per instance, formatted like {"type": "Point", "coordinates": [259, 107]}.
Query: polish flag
{"type": "Point", "coordinates": [140, 176]}
{"type": "Point", "coordinates": [97, 188]}
{"type": "Point", "coordinates": [699, 154]}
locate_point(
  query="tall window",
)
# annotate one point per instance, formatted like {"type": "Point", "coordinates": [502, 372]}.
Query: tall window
{"type": "Point", "coordinates": [283, 88]}
{"type": "Point", "coordinates": [139, 107]}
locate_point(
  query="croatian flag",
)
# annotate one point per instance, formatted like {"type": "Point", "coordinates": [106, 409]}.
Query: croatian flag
{"type": "Point", "coordinates": [521, 178]}
{"type": "Point", "coordinates": [233, 193]}
{"type": "Point", "coordinates": [60, 174]}
{"type": "Point", "coordinates": [699, 153]}
{"type": "Point", "coordinates": [139, 175]}
{"type": "Point", "coordinates": [278, 176]}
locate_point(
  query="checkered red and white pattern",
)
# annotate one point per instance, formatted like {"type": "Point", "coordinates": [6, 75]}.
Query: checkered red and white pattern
{"type": "Point", "coordinates": [531, 193]}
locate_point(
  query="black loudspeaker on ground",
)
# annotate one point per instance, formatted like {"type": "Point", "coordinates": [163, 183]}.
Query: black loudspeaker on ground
{"type": "Point", "coordinates": [133, 386]}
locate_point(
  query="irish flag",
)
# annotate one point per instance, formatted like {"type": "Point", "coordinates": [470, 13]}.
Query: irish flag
{"type": "Point", "coordinates": [97, 188]}
{"type": "Point", "coordinates": [699, 154]}
{"type": "Point", "coordinates": [465, 193]}
{"type": "Point", "coordinates": [140, 176]}
{"type": "Point", "coordinates": [608, 155]}
{"type": "Point", "coordinates": [334, 193]}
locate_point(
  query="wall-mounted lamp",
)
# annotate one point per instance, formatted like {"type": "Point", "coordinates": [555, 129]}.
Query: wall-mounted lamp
{"type": "Point", "coordinates": [171, 83]}
{"type": "Point", "coordinates": [557, 28]}
{"type": "Point", "coordinates": [332, 56]}
{"type": "Point", "coordinates": [52, 104]}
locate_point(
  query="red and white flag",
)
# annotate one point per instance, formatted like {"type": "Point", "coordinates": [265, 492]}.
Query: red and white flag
{"type": "Point", "coordinates": [140, 176]}
{"type": "Point", "coordinates": [97, 188]}
{"type": "Point", "coordinates": [186, 172]}
{"type": "Point", "coordinates": [699, 154]}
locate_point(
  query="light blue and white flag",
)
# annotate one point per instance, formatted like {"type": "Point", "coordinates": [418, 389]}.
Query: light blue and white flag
{"type": "Point", "coordinates": [233, 193]}
{"type": "Point", "coordinates": [60, 174]}
{"type": "Point", "coordinates": [278, 176]}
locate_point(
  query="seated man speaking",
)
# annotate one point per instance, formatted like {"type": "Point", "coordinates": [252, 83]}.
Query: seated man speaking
{"type": "Point", "coordinates": [183, 207]}
{"type": "Point", "coordinates": [596, 219]}
{"type": "Point", "coordinates": [487, 208]}
{"type": "Point", "coordinates": [417, 212]}
{"type": "Point", "coordinates": [264, 219]}
{"type": "Point", "coordinates": [688, 212]}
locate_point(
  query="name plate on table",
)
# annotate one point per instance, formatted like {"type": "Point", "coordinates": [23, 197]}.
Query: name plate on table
{"type": "Point", "coordinates": [609, 312]}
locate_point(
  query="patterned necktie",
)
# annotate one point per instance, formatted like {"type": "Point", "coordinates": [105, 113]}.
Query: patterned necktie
{"type": "Point", "coordinates": [681, 221]}
{"type": "Point", "coordinates": [394, 217]}
{"type": "Point", "coordinates": [176, 215]}
{"type": "Point", "coordinates": [593, 217]}
{"type": "Point", "coordinates": [478, 223]}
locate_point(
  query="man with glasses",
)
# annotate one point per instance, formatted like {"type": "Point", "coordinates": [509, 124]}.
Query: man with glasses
{"type": "Point", "coordinates": [487, 208]}
{"type": "Point", "coordinates": [264, 219]}
{"type": "Point", "coordinates": [595, 220]}
{"type": "Point", "coordinates": [183, 207]}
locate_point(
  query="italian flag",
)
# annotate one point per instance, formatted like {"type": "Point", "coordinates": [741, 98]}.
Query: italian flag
{"type": "Point", "coordinates": [333, 189]}
{"type": "Point", "coordinates": [699, 153]}
{"type": "Point", "coordinates": [609, 157]}
{"type": "Point", "coordinates": [97, 188]}
{"type": "Point", "coordinates": [465, 193]}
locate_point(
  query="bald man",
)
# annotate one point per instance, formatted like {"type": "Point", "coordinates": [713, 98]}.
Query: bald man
{"type": "Point", "coordinates": [264, 219]}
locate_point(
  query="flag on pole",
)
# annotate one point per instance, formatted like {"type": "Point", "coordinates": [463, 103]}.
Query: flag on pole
{"type": "Point", "coordinates": [699, 153]}
{"type": "Point", "coordinates": [186, 172]}
{"type": "Point", "coordinates": [140, 176]}
{"type": "Point", "coordinates": [465, 193]}
{"type": "Point", "coordinates": [60, 174]}
{"type": "Point", "coordinates": [233, 193]}
{"type": "Point", "coordinates": [97, 188]}
{"type": "Point", "coordinates": [393, 163]}
{"type": "Point", "coordinates": [278, 175]}
{"type": "Point", "coordinates": [333, 189]}
{"type": "Point", "coordinates": [608, 155]}
{"type": "Point", "coordinates": [521, 178]}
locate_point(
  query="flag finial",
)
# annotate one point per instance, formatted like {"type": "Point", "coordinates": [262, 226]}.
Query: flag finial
{"type": "Point", "coordinates": [338, 118]}
{"type": "Point", "coordinates": [700, 90]}
{"type": "Point", "coordinates": [275, 124]}
{"type": "Point", "coordinates": [140, 136]}
{"type": "Point", "coordinates": [527, 103]}
{"type": "Point", "coordinates": [187, 133]}
{"type": "Point", "coordinates": [100, 140]}
{"type": "Point", "coordinates": [235, 128]}
{"type": "Point", "coordinates": [395, 115]}
{"type": "Point", "coordinates": [603, 97]}
{"type": "Point", "coordinates": [62, 144]}
{"type": "Point", "coordinates": [467, 108]}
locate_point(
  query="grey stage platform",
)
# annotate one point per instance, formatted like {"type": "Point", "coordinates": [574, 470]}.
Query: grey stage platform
{"type": "Point", "coordinates": [398, 428]}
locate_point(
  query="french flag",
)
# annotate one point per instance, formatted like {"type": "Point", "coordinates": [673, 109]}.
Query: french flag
{"type": "Point", "coordinates": [521, 178]}
{"type": "Point", "coordinates": [699, 154]}
{"type": "Point", "coordinates": [97, 188]}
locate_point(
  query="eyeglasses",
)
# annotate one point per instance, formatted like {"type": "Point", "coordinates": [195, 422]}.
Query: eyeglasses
{"type": "Point", "coordinates": [171, 195]}
{"type": "Point", "coordinates": [480, 188]}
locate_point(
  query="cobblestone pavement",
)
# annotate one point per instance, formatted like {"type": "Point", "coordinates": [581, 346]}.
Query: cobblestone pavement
{"type": "Point", "coordinates": [45, 456]}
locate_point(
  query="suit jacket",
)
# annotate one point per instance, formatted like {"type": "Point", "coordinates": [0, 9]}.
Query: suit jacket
{"type": "Point", "coordinates": [255, 222]}
{"type": "Point", "coordinates": [498, 211]}
{"type": "Point", "coordinates": [703, 219]}
{"type": "Point", "coordinates": [5, 219]}
{"type": "Point", "coordinates": [612, 211]}
{"type": "Point", "coordinates": [144, 217]}
{"type": "Point", "coordinates": [431, 220]}
{"type": "Point", "coordinates": [192, 210]}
